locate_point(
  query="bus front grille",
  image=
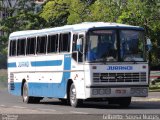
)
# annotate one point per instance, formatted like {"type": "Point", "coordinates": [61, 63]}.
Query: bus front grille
{"type": "Point", "coordinates": [120, 77]}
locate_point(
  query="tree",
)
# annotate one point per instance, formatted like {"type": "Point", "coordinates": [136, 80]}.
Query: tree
{"type": "Point", "coordinates": [55, 12]}
{"type": "Point", "coordinates": [79, 11]}
{"type": "Point", "coordinates": [145, 14]}
{"type": "Point", "coordinates": [102, 10]}
{"type": "Point", "coordinates": [61, 12]}
{"type": "Point", "coordinates": [20, 16]}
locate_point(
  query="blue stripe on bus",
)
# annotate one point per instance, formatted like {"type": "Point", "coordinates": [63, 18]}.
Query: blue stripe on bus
{"type": "Point", "coordinates": [40, 63]}
{"type": "Point", "coordinates": [12, 64]}
{"type": "Point", "coordinates": [46, 63]}
{"type": "Point", "coordinates": [56, 90]}
{"type": "Point", "coordinates": [65, 77]}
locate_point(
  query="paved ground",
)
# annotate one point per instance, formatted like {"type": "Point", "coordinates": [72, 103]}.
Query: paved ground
{"type": "Point", "coordinates": [53, 109]}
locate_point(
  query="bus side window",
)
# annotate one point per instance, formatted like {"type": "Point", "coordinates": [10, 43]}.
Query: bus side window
{"type": "Point", "coordinates": [80, 43]}
{"type": "Point", "coordinates": [21, 46]}
{"type": "Point", "coordinates": [41, 45]}
{"type": "Point", "coordinates": [12, 48]}
{"type": "Point", "coordinates": [77, 47]}
{"type": "Point", "coordinates": [64, 43]}
{"type": "Point", "coordinates": [80, 47]}
{"type": "Point", "coordinates": [75, 37]}
{"type": "Point", "coordinates": [31, 45]}
{"type": "Point", "coordinates": [52, 45]}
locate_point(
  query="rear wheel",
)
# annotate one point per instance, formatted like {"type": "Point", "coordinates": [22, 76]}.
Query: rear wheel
{"type": "Point", "coordinates": [28, 99]}
{"type": "Point", "coordinates": [73, 97]}
{"type": "Point", "coordinates": [25, 96]}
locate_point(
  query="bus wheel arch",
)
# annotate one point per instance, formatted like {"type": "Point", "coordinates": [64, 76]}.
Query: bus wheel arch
{"type": "Point", "coordinates": [23, 81]}
{"type": "Point", "coordinates": [69, 83]}
{"type": "Point", "coordinates": [25, 89]}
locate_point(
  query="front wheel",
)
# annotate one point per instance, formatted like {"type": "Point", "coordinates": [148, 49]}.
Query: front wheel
{"type": "Point", "coordinates": [74, 102]}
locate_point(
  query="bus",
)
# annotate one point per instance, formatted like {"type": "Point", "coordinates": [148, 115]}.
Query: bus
{"type": "Point", "coordinates": [80, 62]}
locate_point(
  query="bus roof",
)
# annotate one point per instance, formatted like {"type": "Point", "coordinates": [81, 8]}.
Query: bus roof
{"type": "Point", "coordinates": [67, 28]}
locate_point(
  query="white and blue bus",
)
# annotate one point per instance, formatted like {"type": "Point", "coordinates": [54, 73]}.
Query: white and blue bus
{"type": "Point", "coordinates": [86, 61]}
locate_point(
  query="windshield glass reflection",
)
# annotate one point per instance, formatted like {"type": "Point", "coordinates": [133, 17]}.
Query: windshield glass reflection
{"type": "Point", "coordinates": [131, 45]}
{"type": "Point", "coordinates": [102, 46]}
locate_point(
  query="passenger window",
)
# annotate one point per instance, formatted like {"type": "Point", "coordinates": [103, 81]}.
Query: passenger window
{"type": "Point", "coordinates": [75, 37]}
{"type": "Point", "coordinates": [81, 36]}
{"type": "Point", "coordinates": [41, 44]}
{"type": "Point", "coordinates": [12, 48]}
{"type": "Point", "coordinates": [21, 46]}
{"type": "Point", "coordinates": [52, 43]}
{"type": "Point", "coordinates": [64, 42]}
{"type": "Point", "coordinates": [31, 43]}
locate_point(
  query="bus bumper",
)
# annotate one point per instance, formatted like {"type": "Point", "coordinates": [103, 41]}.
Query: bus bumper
{"type": "Point", "coordinates": [116, 92]}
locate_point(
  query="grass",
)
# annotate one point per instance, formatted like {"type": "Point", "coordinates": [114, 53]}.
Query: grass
{"type": "Point", "coordinates": [155, 87]}
{"type": "Point", "coordinates": [3, 78]}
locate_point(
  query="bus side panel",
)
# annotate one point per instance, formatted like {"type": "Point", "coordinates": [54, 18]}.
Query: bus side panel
{"type": "Point", "coordinates": [17, 88]}
{"type": "Point", "coordinates": [48, 88]}
{"type": "Point", "coordinates": [46, 81]}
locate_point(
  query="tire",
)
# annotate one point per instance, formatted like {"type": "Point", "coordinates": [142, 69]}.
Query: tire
{"type": "Point", "coordinates": [26, 98]}
{"type": "Point", "coordinates": [74, 102]}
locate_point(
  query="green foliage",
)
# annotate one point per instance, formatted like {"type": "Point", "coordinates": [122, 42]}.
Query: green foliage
{"type": "Point", "coordinates": [55, 12]}
{"type": "Point", "coordinates": [155, 87]}
{"type": "Point", "coordinates": [3, 78]}
{"type": "Point", "coordinates": [21, 17]}
{"type": "Point", "coordinates": [78, 11]}
{"type": "Point", "coordinates": [103, 10]}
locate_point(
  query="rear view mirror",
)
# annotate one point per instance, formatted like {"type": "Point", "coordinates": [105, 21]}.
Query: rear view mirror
{"type": "Point", "coordinates": [79, 44]}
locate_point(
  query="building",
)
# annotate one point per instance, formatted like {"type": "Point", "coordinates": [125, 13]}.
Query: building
{"type": "Point", "coordinates": [4, 11]}
{"type": "Point", "coordinates": [38, 5]}
{"type": "Point", "coordinates": [6, 5]}
{"type": "Point", "coordinates": [39, 1]}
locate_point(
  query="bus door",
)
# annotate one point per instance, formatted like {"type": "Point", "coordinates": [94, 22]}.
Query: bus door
{"type": "Point", "coordinates": [78, 60]}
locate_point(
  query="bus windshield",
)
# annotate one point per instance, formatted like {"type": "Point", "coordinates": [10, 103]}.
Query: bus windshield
{"type": "Point", "coordinates": [132, 45]}
{"type": "Point", "coordinates": [104, 45]}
